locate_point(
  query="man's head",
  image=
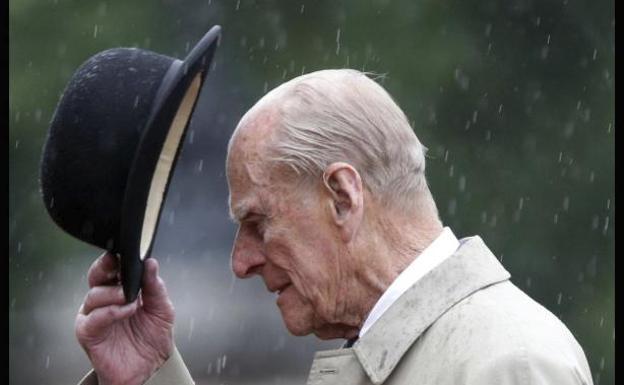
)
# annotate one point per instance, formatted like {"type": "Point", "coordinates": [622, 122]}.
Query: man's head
{"type": "Point", "coordinates": [327, 183]}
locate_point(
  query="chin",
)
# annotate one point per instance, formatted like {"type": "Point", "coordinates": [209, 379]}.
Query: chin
{"type": "Point", "coordinates": [296, 326]}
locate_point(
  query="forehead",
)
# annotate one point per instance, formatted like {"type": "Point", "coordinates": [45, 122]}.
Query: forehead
{"type": "Point", "coordinates": [248, 175]}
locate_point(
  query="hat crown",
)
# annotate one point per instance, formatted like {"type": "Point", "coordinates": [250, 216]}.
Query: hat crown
{"type": "Point", "coordinates": [92, 140]}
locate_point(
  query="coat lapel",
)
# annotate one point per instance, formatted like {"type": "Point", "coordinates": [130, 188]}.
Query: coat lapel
{"type": "Point", "coordinates": [471, 268]}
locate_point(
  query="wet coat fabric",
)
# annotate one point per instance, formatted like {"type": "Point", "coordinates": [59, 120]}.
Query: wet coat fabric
{"type": "Point", "coordinates": [462, 323]}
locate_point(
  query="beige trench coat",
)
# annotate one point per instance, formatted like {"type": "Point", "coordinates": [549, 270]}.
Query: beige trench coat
{"type": "Point", "coordinates": [462, 323]}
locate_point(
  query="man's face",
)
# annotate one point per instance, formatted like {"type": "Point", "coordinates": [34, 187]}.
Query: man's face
{"type": "Point", "coordinates": [285, 237]}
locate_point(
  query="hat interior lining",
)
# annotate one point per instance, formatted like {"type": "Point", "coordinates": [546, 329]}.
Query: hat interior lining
{"type": "Point", "coordinates": [165, 164]}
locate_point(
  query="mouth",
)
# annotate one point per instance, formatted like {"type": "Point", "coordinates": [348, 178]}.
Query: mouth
{"type": "Point", "coordinates": [279, 290]}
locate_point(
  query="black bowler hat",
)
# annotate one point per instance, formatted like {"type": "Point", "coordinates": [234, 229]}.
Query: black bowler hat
{"type": "Point", "coordinates": [112, 146]}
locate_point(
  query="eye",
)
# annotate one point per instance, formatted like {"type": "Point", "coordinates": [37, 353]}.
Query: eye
{"type": "Point", "coordinates": [256, 226]}
{"type": "Point", "coordinates": [261, 227]}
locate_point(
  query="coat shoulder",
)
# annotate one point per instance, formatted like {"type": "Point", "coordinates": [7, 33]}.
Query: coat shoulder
{"type": "Point", "coordinates": [497, 334]}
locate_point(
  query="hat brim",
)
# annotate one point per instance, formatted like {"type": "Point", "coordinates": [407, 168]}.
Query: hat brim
{"type": "Point", "coordinates": [156, 156]}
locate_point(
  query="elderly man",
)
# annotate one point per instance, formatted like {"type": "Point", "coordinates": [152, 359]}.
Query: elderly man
{"type": "Point", "coordinates": [327, 183]}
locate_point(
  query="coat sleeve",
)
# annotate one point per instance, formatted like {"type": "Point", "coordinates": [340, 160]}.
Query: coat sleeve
{"type": "Point", "coordinates": [174, 371]}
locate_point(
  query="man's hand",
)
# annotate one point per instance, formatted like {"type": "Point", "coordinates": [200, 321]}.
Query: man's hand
{"type": "Point", "coordinates": [126, 343]}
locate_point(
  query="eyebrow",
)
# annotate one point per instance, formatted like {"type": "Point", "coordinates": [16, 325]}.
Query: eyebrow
{"type": "Point", "coordinates": [240, 212]}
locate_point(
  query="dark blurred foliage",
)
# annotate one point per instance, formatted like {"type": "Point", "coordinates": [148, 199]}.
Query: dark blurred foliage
{"type": "Point", "coordinates": [514, 99]}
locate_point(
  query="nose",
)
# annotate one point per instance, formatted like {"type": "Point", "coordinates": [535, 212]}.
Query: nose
{"type": "Point", "coordinates": [247, 256]}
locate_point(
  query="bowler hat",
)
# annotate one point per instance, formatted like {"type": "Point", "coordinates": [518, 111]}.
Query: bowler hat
{"type": "Point", "coordinates": [112, 146]}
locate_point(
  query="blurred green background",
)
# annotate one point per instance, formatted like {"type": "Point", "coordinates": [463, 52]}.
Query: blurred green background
{"type": "Point", "coordinates": [515, 100]}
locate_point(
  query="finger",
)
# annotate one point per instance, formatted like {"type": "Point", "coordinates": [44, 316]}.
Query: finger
{"type": "Point", "coordinates": [101, 296]}
{"type": "Point", "coordinates": [104, 270]}
{"type": "Point", "coordinates": [154, 292]}
{"type": "Point", "coordinates": [100, 319]}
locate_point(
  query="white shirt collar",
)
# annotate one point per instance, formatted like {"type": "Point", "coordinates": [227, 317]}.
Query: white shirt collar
{"type": "Point", "coordinates": [440, 249]}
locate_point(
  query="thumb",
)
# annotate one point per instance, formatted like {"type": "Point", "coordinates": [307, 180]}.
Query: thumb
{"type": "Point", "coordinates": [154, 293]}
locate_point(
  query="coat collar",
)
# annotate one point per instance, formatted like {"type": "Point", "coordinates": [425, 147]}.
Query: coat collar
{"type": "Point", "coordinates": [471, 268]}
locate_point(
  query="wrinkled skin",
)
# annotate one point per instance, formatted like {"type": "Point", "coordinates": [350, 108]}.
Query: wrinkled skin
{"type": "Point", "coordinates": [295, 239]}
{"type": "Point", "coordinates": [326, 248]}
{"type": "Point", "coordinates": [126, 343]}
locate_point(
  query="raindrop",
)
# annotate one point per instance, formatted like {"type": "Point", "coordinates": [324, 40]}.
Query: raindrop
{"type": "Point", "coordinates": [47, 362]}
{"type": "Point", "coordinates": [475, 113]}
{"type": "Point", "coordinates": [483, 216]}
{"type": "Point", "coordinates": [462, 183]}
{"type": "Point", "coordinates": [500, 109]}
{"type": "Point", "coordinates": [556, 218]}
{"type": "Point", "coordinates": [559, 297]}
{"type": "Point", "coordinates": [601, 321]}
{"type": "Point", "coordinates": [608, 203]}
{"type": "Point", "coordinates": [566, 203]}
{"type": "Point", "coordinates": [592, 176]}
{"type": "Point", "coordinates": [200, 166]}
{"type": "Point", "coordinates": [16, 143]}
{"type": "Point", "coordinates": [595, 222]}
{"type": "Point", "coordinates": [548, 40]}
{"type": "Point", "coordinates": [462, 79]}
{"type": "Point", "coordinates": [595, 54]}
{"type": "Point", "coordinates": [191, 136]}
{"type": "Point", "coordinates": [569, 130]}
{"type": "Point", "coordinates": [451, 170]}
{"type": "Point", "coordinates": [606, 225]}
{"type": "Point", "coordinates": [95, 31]}
{"type": "Point", "coordinates": [337, 41]}
{"type": "Point", "coordinates": [191, 328]}
{"type": "Point", "coordinates": [237, 5]}
{"type": "Point", "coordinates": [452, 206]}
{"type": "Point", "coordinates": [488, 29]}
{"type": "Point", "coordinates": [302, 8]}
{"type": "Point", "coordinates": [528, 282]}
{"type": "Point", "coordinates": [136, 101]}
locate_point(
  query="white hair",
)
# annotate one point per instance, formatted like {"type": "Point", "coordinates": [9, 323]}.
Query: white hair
{"type": "Point", "coordinates": [342, 115]}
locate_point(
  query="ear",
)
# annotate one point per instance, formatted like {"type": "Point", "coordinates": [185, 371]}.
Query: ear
{"type": "Point", "coordinates": [346, 197]}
